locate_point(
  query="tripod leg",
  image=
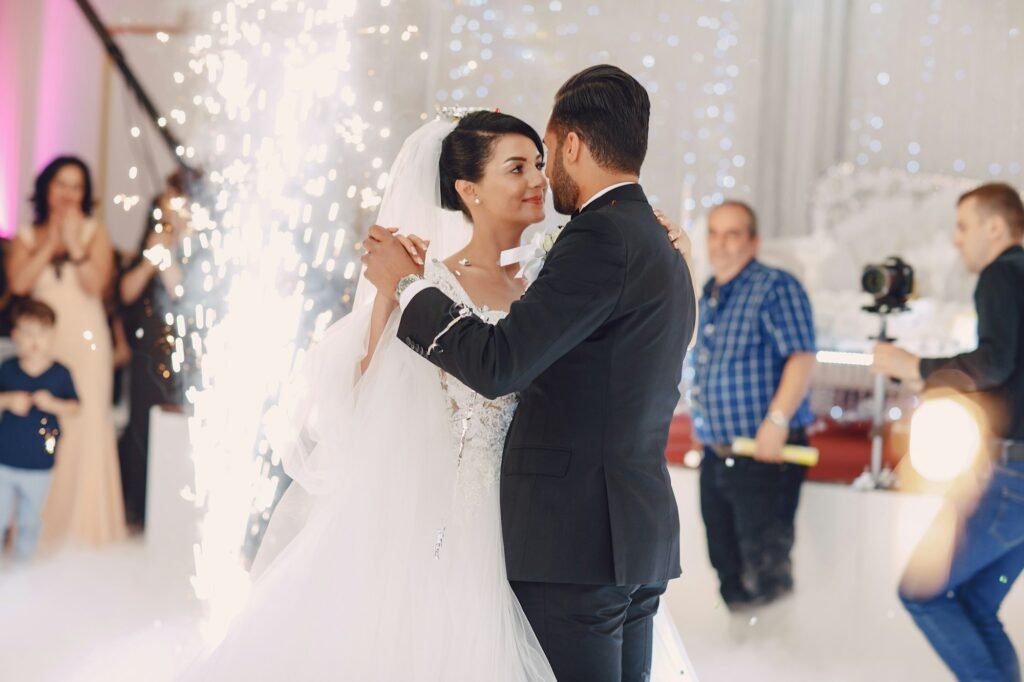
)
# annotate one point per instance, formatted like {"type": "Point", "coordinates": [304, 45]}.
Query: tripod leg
{"type": "Point", "coordinates": [876, 430]}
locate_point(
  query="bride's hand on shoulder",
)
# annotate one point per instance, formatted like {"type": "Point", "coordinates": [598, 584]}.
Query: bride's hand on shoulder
{"type": "Point", "coordinates": [680, 240]}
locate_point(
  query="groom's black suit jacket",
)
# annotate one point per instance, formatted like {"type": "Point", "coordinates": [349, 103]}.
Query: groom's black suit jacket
{"type": "Point", "coordinates": [595, 349]}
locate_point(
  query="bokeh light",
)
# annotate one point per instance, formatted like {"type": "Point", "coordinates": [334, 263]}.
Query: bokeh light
{"type": "Point", "coordinates": [945, 438]}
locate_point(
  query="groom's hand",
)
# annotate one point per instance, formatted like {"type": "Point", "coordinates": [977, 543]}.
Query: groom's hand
{"type": "Point", "coordinates": [387, 260]}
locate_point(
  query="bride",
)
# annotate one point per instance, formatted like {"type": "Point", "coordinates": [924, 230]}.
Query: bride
{"type": "Point", "coordinates": [384, 560]}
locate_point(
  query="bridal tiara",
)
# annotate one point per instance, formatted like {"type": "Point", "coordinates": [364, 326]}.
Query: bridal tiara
{"type": "Point", "coordinates": [456, 114]}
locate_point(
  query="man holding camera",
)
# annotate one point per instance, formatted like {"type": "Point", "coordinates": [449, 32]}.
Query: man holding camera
{"type": "Point", "coordinates": [755, 353]}
{"type": "Point", "coordinates": [973, 553]}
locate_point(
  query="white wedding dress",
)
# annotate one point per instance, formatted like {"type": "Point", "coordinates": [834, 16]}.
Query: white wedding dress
{"type": "Point", "coordinates": [384, 560]}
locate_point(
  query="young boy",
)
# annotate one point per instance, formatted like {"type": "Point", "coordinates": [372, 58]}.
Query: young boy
{"type": "Point", "coordinates": [34, 392]}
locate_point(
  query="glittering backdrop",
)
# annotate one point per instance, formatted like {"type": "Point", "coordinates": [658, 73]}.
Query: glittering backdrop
{"type": "Point", "coordinates": [751, 98]}
{"type": "Point", "coordinates": [758, 99]}
{"type": "Point", "coordinates": [696, 59]}
{"type": "Point", "coordinates": [295, 110]}
{"type": "Point", "coordinates": [937, 86]}
{"type": "Point", "coordinates": [755, 99]}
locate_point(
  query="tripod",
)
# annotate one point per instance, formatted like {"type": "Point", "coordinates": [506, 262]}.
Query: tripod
{"type": "Point", "coordinates": [877, 478]}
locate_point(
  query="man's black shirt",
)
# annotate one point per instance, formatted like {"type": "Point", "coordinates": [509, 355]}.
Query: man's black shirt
{"type": "Point", "coordinates": [996, 368]}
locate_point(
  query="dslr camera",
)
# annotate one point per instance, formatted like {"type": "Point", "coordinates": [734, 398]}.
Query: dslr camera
{"type": "Point", "coordinates": [890, 283]}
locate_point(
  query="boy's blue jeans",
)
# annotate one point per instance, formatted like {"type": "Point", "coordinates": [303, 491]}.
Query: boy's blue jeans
{"type": "Point", "coordinates": [22, 495]}
{"type": "Point", "coordinates": [961, 621]}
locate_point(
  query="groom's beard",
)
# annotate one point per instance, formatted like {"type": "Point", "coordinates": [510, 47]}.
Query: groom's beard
{"type": "Point", "coordinates": [564, 191]}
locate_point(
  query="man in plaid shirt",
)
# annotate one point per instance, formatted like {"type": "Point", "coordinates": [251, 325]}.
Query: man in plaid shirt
{"type": "Point", "coordinates": [754, 357]}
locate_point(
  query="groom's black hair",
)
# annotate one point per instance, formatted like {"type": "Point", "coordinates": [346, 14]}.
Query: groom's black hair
{"type": "Point", "coordinates": [467, 149]}
{"type": "Point", "coordinates": [610, 111]}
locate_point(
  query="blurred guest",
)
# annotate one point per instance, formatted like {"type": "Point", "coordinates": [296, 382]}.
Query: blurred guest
{"type": "Point", "coordinates": [754, 357]}
{"type": "Point", "coordinates": [65, 260]}
{"type": "Point", "coordinates": [969, 559]}
{"type": "Point", "coordinates": [122, 349]}
{"type": "Point", "coordinates": [35, 392]}
{"type": "Point", "coordinates": [5, 291]}
{"type": "Point", "coordinates": [149, 287]}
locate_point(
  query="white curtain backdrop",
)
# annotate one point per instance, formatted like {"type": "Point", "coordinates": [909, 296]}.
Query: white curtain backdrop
{"type": "Point", "coordinates": [758, 99]}
{"type": "Point", "coordinates": [937, 86]}
{"type": "Point", "coordinates": [801, 109]}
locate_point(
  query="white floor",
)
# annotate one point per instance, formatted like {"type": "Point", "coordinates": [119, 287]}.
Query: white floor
{"type": "Point", "coordinates": [119, 614]}
{"type": "Point", "coordinates": [844, 622]}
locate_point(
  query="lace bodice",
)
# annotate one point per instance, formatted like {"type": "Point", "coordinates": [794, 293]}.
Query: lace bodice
{"type": "Point", "coordinates": [479, 424]}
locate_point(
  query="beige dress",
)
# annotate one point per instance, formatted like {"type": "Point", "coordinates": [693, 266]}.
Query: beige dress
{"type": "Point", "coordinates": [84, 506]}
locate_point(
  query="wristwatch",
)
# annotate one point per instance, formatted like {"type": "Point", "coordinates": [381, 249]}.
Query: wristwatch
{"type": "Point", "coordinates": [404, 283]}
{"type": "Point", "coordinates": [779, 418]}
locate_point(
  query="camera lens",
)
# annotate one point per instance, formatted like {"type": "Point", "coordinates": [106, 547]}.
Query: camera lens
{"type": "Point", "coordinates": [875, 280]}
{"type": "Point", "coordinates": [890, 283]}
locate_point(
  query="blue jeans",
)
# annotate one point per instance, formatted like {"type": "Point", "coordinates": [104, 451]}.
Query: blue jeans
{"type": "Point", "coordinates": [961, 620]}
{"type": "Point", "coordinates": [23, 494]}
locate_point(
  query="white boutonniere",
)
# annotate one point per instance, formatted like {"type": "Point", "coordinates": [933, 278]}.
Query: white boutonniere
{"type": "Point", "coordinates": [532, 254]}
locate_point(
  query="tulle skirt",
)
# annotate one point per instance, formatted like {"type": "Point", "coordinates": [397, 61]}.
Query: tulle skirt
{"type": "Point", "coordinates": [351, 583]}
{"type": "Point", "coordinates": [353, 580]}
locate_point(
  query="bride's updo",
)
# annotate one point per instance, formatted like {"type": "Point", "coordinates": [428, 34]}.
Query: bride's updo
{"type": "Point", "coordinates": [467, 149]}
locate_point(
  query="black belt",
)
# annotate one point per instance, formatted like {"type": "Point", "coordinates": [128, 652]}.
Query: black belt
{"type": "Point", "coordinates": [723, 450]}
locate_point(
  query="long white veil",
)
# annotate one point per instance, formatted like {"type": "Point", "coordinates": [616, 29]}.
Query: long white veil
{"type": "Point", "coordinates": [412, 199]}
{"type": "Point", "coordinates": [317, 405]}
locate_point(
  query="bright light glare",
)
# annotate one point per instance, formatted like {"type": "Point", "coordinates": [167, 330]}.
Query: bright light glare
{"type": "Point", "coordinates": [828, 357]}
{"type": "Point", "coordinates": [945, 439]}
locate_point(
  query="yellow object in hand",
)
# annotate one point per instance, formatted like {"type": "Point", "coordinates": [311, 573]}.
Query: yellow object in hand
{"type": "Point", "coordinates": [793, 454]}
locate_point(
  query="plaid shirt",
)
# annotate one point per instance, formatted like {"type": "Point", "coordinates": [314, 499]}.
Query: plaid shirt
{"type": "Point", "coordinates": [748, 329]}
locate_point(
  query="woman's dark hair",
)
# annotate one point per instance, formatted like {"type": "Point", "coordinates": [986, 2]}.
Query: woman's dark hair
{"type": "Point", "coordinates": [610, 111]}
{"type": "Point", "coordinates": [40, 206]}
{"type": "Point", "coordinates": [467, 149]}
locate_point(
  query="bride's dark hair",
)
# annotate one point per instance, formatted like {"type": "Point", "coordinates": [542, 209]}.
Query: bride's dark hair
{"type": "Point", "coordinates": [467, 149]}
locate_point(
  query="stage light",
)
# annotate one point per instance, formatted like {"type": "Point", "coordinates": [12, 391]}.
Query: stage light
{"type": "Point", "coordinates": [828, 357]}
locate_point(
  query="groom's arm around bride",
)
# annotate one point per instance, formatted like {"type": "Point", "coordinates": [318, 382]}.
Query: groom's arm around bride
{"type": "Point", "coordinates": [595, 349]}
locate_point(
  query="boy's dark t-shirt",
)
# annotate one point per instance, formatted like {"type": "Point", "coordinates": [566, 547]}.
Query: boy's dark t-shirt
{"type": "Point", "coordinates": [23, 440]}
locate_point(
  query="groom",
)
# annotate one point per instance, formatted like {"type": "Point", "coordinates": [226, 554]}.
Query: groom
{"type": "Point", "coordinates": [595, 349]}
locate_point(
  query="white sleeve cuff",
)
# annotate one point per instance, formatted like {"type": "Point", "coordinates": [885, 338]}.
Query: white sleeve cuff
{"type": "Point", "coordinates": [411, 291]}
